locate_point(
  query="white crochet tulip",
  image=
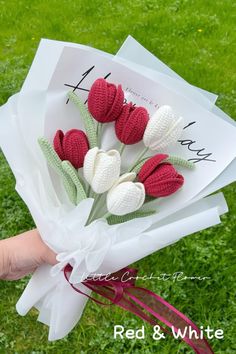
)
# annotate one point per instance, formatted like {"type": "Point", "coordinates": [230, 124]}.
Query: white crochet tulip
{"type": "Point", "coordinates": [125, 196]}
{"type": "Point", "coordinates": [163, 129]}
{"type": "Point", "coordinates": [101, 169]}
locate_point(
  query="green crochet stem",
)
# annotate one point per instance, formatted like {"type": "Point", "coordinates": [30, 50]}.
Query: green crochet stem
{"type": "Point", "coordinates": [121, 148]}
{"type": "Point", "coordinates": [138, 167]}
{"type": "Point", "coordinates": [149, 199]}
{"type": "Point", "coordinates": [175, 160]}
{"type": "Point", "coordinates": [99, 133]}
{"type": "Point", "coordinates": [73, 174]}
{"type": "Point", "coordinates": [88, 120]}
{"type": "Point", "coordinates": [116, 219]}
{"type": "Point", "coordinates": [139, 158]}
{"type": "Point", "coordinates": [55, 162]}
{"type": "Point", "coordinates": [92, 216]}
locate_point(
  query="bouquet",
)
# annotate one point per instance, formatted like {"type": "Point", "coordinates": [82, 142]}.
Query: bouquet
{"type": "Point", "coordinates": [116, 159]}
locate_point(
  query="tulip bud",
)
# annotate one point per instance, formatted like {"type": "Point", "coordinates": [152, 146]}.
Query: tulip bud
{"type": "Point", "coordinates": [72, 146]}
{"type": "Point", "coordinates": [163, 129]}
{"type": "Point", "coordinates": [101, 169]}
{"type": "Point", "coordinates": [125, 196]}
{"type": "Point", "coordinates": [160, 179]}
{"type": "Point", "coordinates": [105, 101]}
{"type": "Point", "coordinates": [131, 124]}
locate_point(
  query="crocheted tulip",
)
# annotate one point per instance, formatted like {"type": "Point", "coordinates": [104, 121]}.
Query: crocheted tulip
{"type": "Point", "coordinates": [105, 101]}
{"type": "Point", "coordinates": [160, 179]}
{"type": "Point", "coordinates": [125, 196]}
{"type": "Point", "coordinates": [73, 146]}
{"type": "Point", "coordinates": [163, 129]}
{"type": "Point", "coordinates": [101, 169]}
{"type": "Point", "coordinates": [131, 124]}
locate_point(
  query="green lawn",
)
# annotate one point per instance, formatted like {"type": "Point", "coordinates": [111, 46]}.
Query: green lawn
{"type": "Point", "coordinates": [197, 39]}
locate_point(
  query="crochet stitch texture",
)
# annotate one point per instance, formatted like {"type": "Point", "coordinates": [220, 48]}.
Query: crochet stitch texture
{"type": "Point", "coordinates": [105, 101]}
{"type": "Point", "coordinates": [163, 129]}
{"type": "Point", "coordinates": [160, 179]}
{"type": "Point", "coordinates": [131, 124]}
{"type": "Point", "coordinates": [73, 146]}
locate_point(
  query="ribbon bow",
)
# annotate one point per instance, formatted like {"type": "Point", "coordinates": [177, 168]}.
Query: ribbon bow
{"type": "Point", "coordinates": [121, 290]}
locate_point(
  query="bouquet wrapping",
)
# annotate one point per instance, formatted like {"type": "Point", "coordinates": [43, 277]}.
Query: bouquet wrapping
{"type": "Point", "coordinates": [43, 107]}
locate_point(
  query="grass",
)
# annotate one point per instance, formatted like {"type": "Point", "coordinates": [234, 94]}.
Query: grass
{"type": "Point", "coordinates": [197, 39]}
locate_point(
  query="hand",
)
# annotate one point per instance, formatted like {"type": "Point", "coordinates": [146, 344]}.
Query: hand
{"type": "Point", "coordinates": [22, 254]}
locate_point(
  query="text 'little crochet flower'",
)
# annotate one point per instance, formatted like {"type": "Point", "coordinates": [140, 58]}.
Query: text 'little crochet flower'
{"type": "Point", "coordinates": [163, 129]}
{"type": "Point", "coordinates": [73, 146]}
{"type": "Point", "coordinates": [105, 101]}
{"type": "Point", "coordinates": [101, 169]}
{"type": "Point", "coordinates": [131, 124]}
{"type": "Point", "coordinates": [125, 196]}
{"type": "Point", "coordinates": [160, 179]}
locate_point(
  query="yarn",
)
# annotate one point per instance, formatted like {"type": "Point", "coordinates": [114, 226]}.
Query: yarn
{"type": "Point", "coordinates": [55, 162]}
{"type": "Point", "coordinates": [101, 169]}
{"type": "Point", "coordinates": [131, 124]}
{"type": "Point", "coordinates": [118, 219]}
{"type": "Point", "coordinates": [163, 129]}
{"type": "Point", "coordinates": [72, 146]}
{"type": "Point", "coordinates": [88, 121]}
{"type": "Point", "coordinates": [160, 179]}
{"type": "Point", "coordinates": [150, 165]}
{"type": "Point", "coordinates": [125, 196]}
{"type": "Point", "coordinates": [105, 101]}
{"type": "Point", "coordinates": [73, 173]}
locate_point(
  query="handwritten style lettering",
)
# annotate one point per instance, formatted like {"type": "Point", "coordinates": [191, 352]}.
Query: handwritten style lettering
{"type": "Point", "coordinates": [84, 76]}
{"type": "Point", "coordinates": [201, 155]}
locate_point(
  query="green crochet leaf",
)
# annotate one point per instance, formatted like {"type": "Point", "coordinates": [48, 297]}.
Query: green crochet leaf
{"type": "Point", "coordinates": [70, 188]}
{"type": "Point", "coordinates": [51, 156]}
{"type": "Point", "coordinates": [176, 160]}
{"type": "Point", "coordinates": [73, 174]}
{"type": "Point", "coordinates": [88, 120]}
{"type": "Point", "coordinates": [55, 162]}
{"type": "Point", "coordinates": [116, 219]}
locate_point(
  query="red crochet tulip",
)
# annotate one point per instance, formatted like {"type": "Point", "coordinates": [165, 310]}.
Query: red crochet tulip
{"type": "Point", "coordinates": [131, 124]}
{"type": "Point", "coordinates": [72, 146]}
{"type": "Point", "coordinates": [160, 179]}
{"type": "Point", "coordinates": [105, 101]}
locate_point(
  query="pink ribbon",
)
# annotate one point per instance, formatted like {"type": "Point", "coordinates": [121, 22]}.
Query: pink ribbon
{"type": "Point", "coordinates": [121, 291]}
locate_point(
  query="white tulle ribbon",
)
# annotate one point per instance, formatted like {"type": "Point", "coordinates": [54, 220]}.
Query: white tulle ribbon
{"type": "Point", "coordinates": [83, 247]}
